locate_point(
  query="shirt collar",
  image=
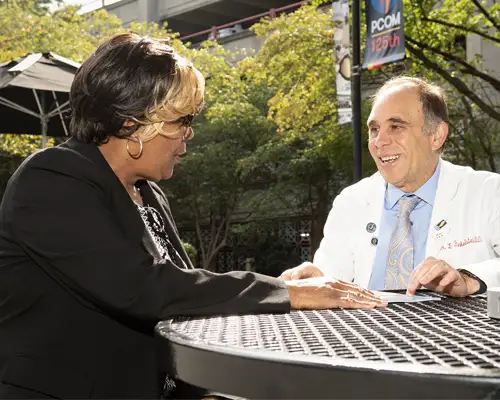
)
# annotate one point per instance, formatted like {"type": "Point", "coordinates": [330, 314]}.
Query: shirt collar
{"type": "Point", "coordinates": [427, 192]}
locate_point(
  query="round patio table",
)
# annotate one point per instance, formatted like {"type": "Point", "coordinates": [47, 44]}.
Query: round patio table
{"type": "Point", "coordinates": [435, 349]}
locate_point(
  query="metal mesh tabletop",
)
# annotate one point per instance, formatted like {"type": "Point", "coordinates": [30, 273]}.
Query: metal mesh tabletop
{"type": "Point", "coordinates": [450, 337]}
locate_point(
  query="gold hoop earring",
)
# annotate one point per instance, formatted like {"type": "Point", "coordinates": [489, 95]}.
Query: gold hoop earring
{"type": "Point", "coordinates": [137, 155]}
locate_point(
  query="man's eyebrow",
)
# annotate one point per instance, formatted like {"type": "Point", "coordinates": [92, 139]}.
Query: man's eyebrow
{"type": "Point", "coordinates": [398, 120]}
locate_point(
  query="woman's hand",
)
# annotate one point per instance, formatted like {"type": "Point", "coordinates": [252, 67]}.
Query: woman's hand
{"type": "Point", "coordinates": [323, 293]}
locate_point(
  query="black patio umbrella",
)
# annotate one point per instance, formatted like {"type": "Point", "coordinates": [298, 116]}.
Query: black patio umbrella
{"type": "Point", "coordinates": [34, 95]}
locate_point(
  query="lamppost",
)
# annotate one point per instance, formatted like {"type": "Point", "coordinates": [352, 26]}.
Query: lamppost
{"type": "Point", "coordinates": [356, 90]}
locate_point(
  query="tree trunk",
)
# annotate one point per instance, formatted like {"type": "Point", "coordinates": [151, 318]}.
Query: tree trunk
{"type": "Point", "coordinates": [320, 213]}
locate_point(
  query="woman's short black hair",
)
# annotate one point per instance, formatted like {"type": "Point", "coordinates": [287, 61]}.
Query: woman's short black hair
{"type": "Point", "coordinates": [131, 78]}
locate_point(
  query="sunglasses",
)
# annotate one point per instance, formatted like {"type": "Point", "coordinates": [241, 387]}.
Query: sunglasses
{"type": "Point", "coordinates": [186, 120]}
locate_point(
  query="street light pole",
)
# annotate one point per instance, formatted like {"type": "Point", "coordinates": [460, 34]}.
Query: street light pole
{"type": "Point", "coordinates": [356, 90]}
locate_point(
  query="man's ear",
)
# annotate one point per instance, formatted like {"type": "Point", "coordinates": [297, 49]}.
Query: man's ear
{"type": "Point", "coordinates": [439, 137]}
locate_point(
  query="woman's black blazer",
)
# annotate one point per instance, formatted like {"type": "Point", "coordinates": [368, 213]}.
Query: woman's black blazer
{"type": "Point", "coordinates": [81, 286]}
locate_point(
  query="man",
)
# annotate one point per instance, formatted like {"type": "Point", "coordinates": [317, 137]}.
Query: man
{"type": "Point", "coordinates": [420, 221]}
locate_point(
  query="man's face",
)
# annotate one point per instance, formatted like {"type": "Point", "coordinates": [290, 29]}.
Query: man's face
{"type": "Point", "coordinates": [405, 156]}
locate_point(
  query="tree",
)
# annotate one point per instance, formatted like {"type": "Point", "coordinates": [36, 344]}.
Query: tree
{"type": "Point", "coordinates": [309, 159]}
{"type": "Point", "coordinates": [39, 6]}
{"type": "Point", "coordinates": [65, 32]}
{"type": "Point", "coordinates": [13, 150]}
{"type": "Point", "coordinates": [434, 33]}
{"type": "Point", "coordinates": [208, 187]}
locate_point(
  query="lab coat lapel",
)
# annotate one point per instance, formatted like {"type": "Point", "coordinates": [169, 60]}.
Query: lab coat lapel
{"type": "Point", "coordinates": [373, 214]}
{"type": "Point", "coordinates": [439, 228]}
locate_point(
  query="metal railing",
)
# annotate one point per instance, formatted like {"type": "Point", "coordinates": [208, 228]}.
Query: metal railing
{"type": "Point", "coordinates": [214, 30]}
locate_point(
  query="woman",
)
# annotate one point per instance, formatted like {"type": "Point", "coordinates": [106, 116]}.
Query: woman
{"type": "Point", "coordinates": [90, 259]}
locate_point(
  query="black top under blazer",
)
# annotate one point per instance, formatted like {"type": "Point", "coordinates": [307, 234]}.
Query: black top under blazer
{"type": "Point", "coordinates": [82, 287]}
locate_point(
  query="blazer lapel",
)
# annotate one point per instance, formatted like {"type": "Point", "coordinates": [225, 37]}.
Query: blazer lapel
{"type": "Point", "coordinates": [124, 209]}
{"type": "Point", "coordinates": [446, 191]}
{"type": "Point", "coordinates": [117, 198]}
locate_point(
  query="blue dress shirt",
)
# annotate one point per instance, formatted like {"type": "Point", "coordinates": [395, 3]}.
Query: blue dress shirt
{"type": "Point", "coordinates": [420, 219]}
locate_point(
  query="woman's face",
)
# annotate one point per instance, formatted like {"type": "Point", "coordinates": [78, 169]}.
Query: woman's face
{"type": "Point", "coordinates": [163, 152]}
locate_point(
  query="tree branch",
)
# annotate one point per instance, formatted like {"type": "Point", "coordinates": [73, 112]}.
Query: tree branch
{"type": "Point", "coordinates": [310, 199]}
{"type": "Point", "coordinates": [467, 155]}
{"type": "Point", "coordinates": [219, 230]}
{"type": "Point", "coordinates": [198, 234]}
{"type": "Point", "coordinates": [485, 12]}
{"type": "Point", "coordinates": [466, 149]}
{"type": "Point", "coordinates": [213, 230]}
{"type": "Point", "coordinates": [214, 248]}
{"type": "Point", "coordinates": [461, 27]}
{"type": "Point", "coordinates": [484, 140]}
{"type": "Point", "coordinates": [457, 83]}
{"type": "Point", "coordinates": [468, 68]}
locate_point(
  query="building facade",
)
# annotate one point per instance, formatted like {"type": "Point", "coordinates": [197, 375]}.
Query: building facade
{"type": "Point", "coordinates": [198, 20]}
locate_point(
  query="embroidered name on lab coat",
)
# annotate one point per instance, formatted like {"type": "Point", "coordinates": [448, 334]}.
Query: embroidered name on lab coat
{"type": "Point", "coordinates": [461, 243]}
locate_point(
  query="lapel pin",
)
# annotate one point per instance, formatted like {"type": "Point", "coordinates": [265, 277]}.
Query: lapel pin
{"type": "Point", "coordinates": [371, 227]}
{"type": "Point", "coordinates": [374, 241]}
{"type": "Point", "coordinates": [440, 224]}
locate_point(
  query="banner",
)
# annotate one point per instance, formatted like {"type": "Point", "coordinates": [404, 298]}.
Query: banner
{"type": "Point", "coordinates": [342, 42]}
{"type": "Point", "coordinates": [385, 41]}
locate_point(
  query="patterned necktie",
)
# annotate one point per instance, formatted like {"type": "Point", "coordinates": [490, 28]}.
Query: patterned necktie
{"type": "Point", "coordinates": [400, 257]}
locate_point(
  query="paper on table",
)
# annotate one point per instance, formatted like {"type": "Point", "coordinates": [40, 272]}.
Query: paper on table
{"type": "Point", "coordinates": [403, 298]}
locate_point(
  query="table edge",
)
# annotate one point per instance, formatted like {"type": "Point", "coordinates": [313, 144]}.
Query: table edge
{"type": "Point", "coordinates": [165, 331]}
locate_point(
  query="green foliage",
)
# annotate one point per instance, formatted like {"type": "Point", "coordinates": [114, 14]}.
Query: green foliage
{"type": "Point", "coordinates": [310, 158]}
{"type": "Point", "coordinates": [25, 29]}
{"type": "Point", "coordinates": [267, 144]}
{"type": "Point", "coordinates": [191, 251]}
{"type": "Point", "coordinates": [435, 35]}
{"type": "Point", "coordinates": [208, 185]}
{"type": "Point", "coordinates": [8, 164]}
{"type": "Point", "coordinates": [13, 150]}
{"type": "Point", "coordinates": [297, 61]}
{"type": "Point", "coordinates": [21, 145]}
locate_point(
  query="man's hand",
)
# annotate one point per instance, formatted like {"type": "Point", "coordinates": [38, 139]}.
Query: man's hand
{"type": "Point", "coordinates": [439, 276]}
{"type": "Point", "coordinates": [321, 293]}
{"type": "Point", "coordinates": [303, 271]}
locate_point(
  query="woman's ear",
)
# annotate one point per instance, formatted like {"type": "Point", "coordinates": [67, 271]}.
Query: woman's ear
{"type": "Point", "coordinates": [129, 126]}
{"type": "Point", "coordinates": [128, 123]}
